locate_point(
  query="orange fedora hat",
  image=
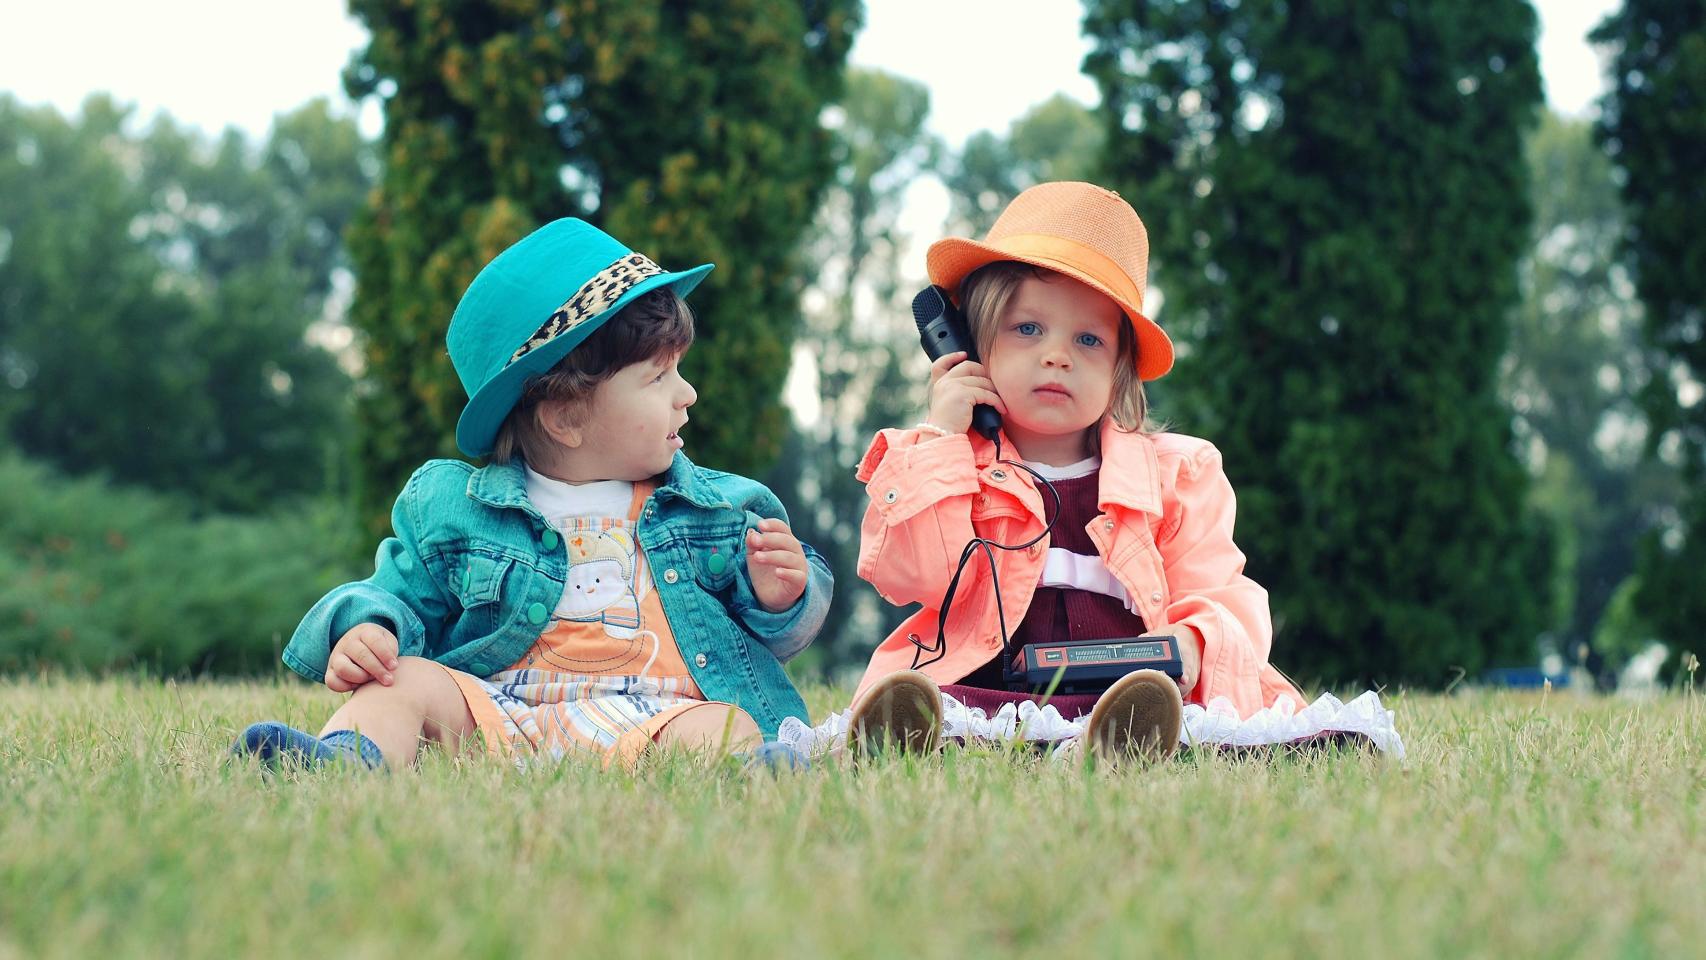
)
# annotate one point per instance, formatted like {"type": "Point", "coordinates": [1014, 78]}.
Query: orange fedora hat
{"type": "Point", "coordinates": [1078, 229]}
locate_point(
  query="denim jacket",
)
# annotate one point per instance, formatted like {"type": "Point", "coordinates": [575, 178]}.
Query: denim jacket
{"type": "Point", "coordinates": [472, 573]}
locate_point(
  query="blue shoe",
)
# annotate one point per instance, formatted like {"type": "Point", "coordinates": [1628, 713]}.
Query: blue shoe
{"type": "Point", "coordinates": [277, 744]}
{"type": "Point", "coordinates": [774, 757]}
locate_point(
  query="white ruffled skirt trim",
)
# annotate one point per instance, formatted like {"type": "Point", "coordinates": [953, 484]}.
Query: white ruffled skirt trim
{"type": "Point", "coordinates": [1217, 725]}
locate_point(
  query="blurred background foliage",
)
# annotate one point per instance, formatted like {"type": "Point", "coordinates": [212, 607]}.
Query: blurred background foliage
{"type": "Point", "coordinates": [1450, 344]}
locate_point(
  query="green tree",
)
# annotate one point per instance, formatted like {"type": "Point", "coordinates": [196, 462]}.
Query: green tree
{"type": "Point", "coordinates": [1575, 367]}
{"type": "Point", "coordinates": [96, 576]}
{"type": "Point", "coordinates": [1653, 126]}
{"type": "Point", "coordinates": [857, 339]}
{"type": "Point", "coordinates": [692, 135]}
{"type": "Point", "coordinates": [154, 295]}
{"type": "Point", "coordinates": [1059, 139]}
{"type": "Point", "coordinates": [78, 300]}
{"type": "Point", "coordinates": [1336, 198]}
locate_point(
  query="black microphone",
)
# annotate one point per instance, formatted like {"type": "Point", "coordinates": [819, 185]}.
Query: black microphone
{"type": "Point", "coordinates": [942, 329]}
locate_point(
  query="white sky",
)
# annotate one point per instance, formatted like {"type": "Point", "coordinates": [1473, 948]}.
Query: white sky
{"type": "Point", "coordinates": [220, 62]}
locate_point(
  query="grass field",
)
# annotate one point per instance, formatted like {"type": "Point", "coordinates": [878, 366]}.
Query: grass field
{"type": "Point", "coordinates": [1520, 826]}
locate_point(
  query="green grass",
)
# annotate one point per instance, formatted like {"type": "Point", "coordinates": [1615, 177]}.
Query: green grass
{"type": "Point", "coordinates": [1520, 826]}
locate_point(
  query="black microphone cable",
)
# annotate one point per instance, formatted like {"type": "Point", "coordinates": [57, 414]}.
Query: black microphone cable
{"type": "Point", "coordinates": [940, 647]}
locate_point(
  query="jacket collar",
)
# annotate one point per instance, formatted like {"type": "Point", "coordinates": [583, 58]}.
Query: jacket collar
{"type": "Point", "coordinates": [683, 480]}
{"type": "Point", "coordinates": [1130, 475]}
{"type": "Point", "coordinates": [504, 485]}
{"type": "Point", "coordinates": [1131, 471]}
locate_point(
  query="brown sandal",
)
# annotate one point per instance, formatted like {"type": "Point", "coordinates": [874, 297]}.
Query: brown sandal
{"type": "Point", "coordinates": [1138, 716]}
{"type": "Point", "coordinates": [902, 710]}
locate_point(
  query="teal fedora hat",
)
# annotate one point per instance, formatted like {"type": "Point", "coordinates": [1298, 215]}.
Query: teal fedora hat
{"type": "Point", "coordinates": [534, 303]}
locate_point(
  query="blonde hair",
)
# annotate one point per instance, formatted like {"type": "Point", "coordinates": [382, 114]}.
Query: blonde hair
{"type": "Point", "coordinates": [984, 295]}
{"type": "Point", "coordinates": [658, 324]}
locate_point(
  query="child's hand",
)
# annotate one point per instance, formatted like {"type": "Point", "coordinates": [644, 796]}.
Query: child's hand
{"type": "Point", "coordinates": [1189, 642]}
{"type": "Point", "coordinates": [957, 386]}
{"type": "Point", "coordinates": [777, 565]}
{"type": "Point", "coordinates": [367, 652]}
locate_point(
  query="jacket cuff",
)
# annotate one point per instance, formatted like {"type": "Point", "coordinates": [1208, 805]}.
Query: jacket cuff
{"type": "Point", "coordinates": [343, 609]}
{"type": "Point", "coordinates": [1222, 670]}
{"type": "Point", "coordinates": [790, 631]}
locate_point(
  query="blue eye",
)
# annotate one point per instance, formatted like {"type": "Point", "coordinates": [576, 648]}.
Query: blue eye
{"type": "Point", "coordinates": [1089, 340]}
{"type": "Point", "coordinates": [1027, 329]}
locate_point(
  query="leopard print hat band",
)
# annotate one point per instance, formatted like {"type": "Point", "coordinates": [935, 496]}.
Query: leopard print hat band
{"type": "Point", "coordinates": [593, 298]}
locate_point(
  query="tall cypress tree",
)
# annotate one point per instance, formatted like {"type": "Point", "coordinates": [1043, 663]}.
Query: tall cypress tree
{"type": "Point", "coordinates": [688, 135]}
{"type": "Point", "coordinates": [1336, 197]}
{"type": "Point", "coordinates": [1654, 128]}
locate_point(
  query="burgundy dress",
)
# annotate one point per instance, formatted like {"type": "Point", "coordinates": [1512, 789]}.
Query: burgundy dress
{"type": "Point", "coordinates": [1056, 613]}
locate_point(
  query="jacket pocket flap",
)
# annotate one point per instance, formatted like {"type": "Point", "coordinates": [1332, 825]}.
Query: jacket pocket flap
{"type": "Point", "coordinates": [988, 505]}
{"type": "Point", "coordinates": [481, 580]}
{"type": "Point", "coordinates": [716, 557]}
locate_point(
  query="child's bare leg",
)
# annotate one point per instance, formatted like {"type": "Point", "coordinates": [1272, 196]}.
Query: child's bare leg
{"type": "Point", "coordinates": [722, 727]}
{"type": "Point", "coordinates": [422, 702]}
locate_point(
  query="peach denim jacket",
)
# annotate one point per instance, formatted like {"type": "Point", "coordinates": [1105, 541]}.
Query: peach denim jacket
{"type": "Point", "coordinates": [1165, 532]}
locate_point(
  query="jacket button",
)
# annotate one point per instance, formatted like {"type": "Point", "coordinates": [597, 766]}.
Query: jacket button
{"type": "Point", "coordinates": [549, 539]}
{"type": "Point", "coordinates": [480, 669]}
{"type": "Point", "coordinates": [1036, 548]}
{"type": "Point", "coordinates": [536, 613]}
{"type": "Point", "coordinates": [467, 579]}
{"type": "Point", "coordinates": [1107, 524]}
{"type": "Point", "coordinates": [1155, 597]}
{"type": "Point", "coordinates": [998, 475]}
{"type": "Point", "coordinates": [717, 564]}
{"type": "Point", "coordinates": [891, 496]}
{"type": "Point", "coordinates": [701, 660]}
{"type": "Point", "coordinates": [670, 576]}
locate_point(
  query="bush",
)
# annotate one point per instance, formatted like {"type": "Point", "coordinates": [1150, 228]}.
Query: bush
{"type": "Point", "coordinates": [98, 577]}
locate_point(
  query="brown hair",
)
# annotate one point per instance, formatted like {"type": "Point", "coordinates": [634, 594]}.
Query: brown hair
{"type": "Point", "coordinates": [658, 324]}
{"type": "Point", "coordinates": [985, 294]}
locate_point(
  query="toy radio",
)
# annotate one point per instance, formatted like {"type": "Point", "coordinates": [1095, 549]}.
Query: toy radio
{"type": "Point", "coordinates": [1090, 666]}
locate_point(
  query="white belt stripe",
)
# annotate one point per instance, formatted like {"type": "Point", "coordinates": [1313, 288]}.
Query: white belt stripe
{"type": "Point", "coordinates": [1075, 571]}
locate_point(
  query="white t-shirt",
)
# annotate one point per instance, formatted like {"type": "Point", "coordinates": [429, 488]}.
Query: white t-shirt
{"type": "Point", "coordinates": [558, 499]}
{"type": "Point", "coordinates": [1071, 471]}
